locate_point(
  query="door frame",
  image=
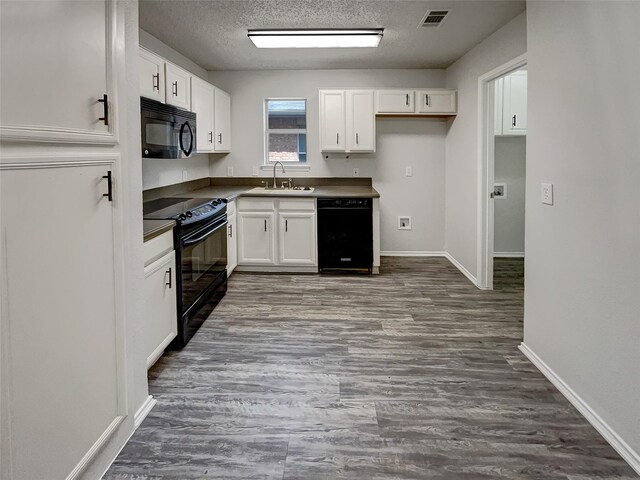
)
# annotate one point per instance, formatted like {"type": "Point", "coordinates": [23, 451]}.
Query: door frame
{"type": "Point", "coordinates": [486, 172]}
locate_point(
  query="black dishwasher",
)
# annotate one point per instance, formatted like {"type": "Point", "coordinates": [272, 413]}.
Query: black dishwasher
{"type": "Point", "coordinates": [345, 233]}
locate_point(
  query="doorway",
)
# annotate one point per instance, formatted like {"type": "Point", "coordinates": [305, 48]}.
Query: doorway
{"type": "Point", "coordinates": [502, 131]}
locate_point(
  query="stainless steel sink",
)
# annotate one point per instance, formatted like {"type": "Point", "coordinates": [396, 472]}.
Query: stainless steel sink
{"type": "Point", "coordinates": [281, 192]}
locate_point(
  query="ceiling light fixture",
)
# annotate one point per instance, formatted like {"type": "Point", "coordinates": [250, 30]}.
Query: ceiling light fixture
{"type": "Point", "coordinates": [327, 38]}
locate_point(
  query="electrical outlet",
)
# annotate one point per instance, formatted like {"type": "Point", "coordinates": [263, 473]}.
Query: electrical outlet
{"type": "Point", "coordinates": [229, 171]}
{"type": "Point", "coordinates": [356, 172]}
{"type": "Point", "coordinates": [185, 175]}
{"type": "Point", "coordinates": [404, 223]}
{"type": "Point", "coordinates": [546, 193]}
{"type": "Point", "coordinates": [255, 171]}
{"type": "Point", "coordinates": [408, 171]}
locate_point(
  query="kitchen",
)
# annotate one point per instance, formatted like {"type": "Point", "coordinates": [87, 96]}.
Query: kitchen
{"type": "Point", "coordinates": [421, 172]}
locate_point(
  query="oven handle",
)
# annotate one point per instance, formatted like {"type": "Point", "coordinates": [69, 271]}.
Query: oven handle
{"type": "Point", "coordinates": [193, 240]}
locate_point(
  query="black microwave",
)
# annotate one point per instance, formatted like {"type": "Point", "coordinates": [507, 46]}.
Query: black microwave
{"type": "Point", "coordinates": [167, 131]}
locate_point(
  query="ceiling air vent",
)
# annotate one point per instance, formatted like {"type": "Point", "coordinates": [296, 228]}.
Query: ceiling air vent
{"type": "Point", "coordinates": [434, 18]}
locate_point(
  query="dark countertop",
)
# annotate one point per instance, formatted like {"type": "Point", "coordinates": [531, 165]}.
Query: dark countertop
{"type": "Point", "coordinates": [232, 192]}
{"type": "Point", "coordinates": [153, 228]}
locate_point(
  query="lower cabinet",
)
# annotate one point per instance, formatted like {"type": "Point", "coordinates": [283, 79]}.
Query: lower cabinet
{"type": "Point", "coordinates": [288, 243]}
{"type": "Point", "coordinates": [232, 238]}
{"type": "Point", "coordinates": [160, 310]}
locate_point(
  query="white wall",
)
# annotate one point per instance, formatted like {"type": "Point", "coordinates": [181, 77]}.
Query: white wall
{"type": "Point", "coordinates": [158, 172]}
{"type": "Point", "coordinates": [413, 142]}
{"type": "Point", "coordinates": [582, 299]}
{"type": "Point", "coordinates": [510, 163]}
{"type": "Point", "coordinates": [461, 217]}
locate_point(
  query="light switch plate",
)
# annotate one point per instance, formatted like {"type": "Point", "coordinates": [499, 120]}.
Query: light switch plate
{"type": "Point", "coordinates": [408, 171]}
{"type": "Point", "coordinates": [229, 171]}
{"type": "Point", "coordinates": [356, 172]}
{"type": "Point", "coordinates": [546, 193]}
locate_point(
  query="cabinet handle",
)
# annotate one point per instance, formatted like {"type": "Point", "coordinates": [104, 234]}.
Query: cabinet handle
{"type": "Point", "coordinates": [169, 283]}
{"type": "Point", "coordinates": [156, 82]}
{"type": "Point", "coordinates": [407, 99]}
{"type": "Point", "coordinates": [513, 121]}
{"type": "Point", "coordinates": [109, 193]}
{"type": "Point", "coordinates": [105, 105]}
{"type": "Point", "coordinates": [175, 88]}
{"type": "Point", "coordinates": [230, 231]}
{"type": "Point", "coordinates": [286, 226]}
{"type": "Point", "coordinates": [220, 138]}
{"type": "Point", "coordinates": [265, 225]}
{"type": "Point", "coordinates": [210, 137]}
{"type": "Point", "coordinates": [337, 138]}
{"type": "Point", "coordinates": [426, 99]}
{"type": "Point", "coordinates": [356, 139]}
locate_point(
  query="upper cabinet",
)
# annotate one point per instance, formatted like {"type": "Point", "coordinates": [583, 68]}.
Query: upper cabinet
{"type": "Point", "coordinates": [395, 101]}
{"type": "Point", "coordinates": [511, 104]}
{"type": "Point", "coordinates": [177, 86]}
{"type": "Point", "coordinates": [56, 87]}
{"type": "Point", "coordinates": [151, 75]}
{"type": "Point", "coordinates": [332, 121]}
{"type": "Point", "coordinates": [222, 121]}
{"type": "Point", "coordinates": [436, 101]}
{"type": "Point", "coordinates": [202, 97]}
{"type": "Point", "coordinates": [347, 121]}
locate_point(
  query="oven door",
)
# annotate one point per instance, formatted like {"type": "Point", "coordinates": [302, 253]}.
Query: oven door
{"type": "Point", "coordinates": [167, 136]}
{"type": "Point", "coordinates": [203, 258]}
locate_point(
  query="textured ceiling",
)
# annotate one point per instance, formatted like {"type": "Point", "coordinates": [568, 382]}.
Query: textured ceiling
{"type": "Point", "coordinates": [213, 33]}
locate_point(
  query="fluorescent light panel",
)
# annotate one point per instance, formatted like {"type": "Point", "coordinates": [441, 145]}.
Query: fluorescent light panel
{"type": "Point", "coordinates": [316, 38]}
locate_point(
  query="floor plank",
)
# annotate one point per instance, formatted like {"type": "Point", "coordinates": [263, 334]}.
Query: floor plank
{"type": "Point", "coordinates": [410, 374]}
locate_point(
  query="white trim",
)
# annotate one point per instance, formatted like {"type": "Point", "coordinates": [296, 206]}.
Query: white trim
{"type": "Point", "coordinates": [276, 268]}
{"type": "Point", "coordinates": [508, 254]}
{"type": "Point", "coordinates": [143, 411]}
{"type": "Point", "coordinates": [608, 433]}
{"type": "Point", "coordinates": [462, 269]}
{"type": "Point", "coordinates": [486, 172]}
{"type": "Point", "coordinates": [412, 253]}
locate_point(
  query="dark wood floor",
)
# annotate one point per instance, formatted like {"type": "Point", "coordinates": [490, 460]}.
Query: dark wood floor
{"type": "Point", "coordinates": [411, 374]}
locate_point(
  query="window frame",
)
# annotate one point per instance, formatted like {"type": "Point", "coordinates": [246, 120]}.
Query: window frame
{"type": "Point", "coordinates": [296, 131]}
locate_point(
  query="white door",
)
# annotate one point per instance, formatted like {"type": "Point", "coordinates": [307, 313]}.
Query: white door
{"type": "Point", "coordinates": [222, 121]}
{"type": "Point", "coordinates": [232, 244]}
{"type": "Point", "coordinates": [160, 309]}
{"type": "Point", "coordinates": [177, 86]}
{"type": "Point", "coordinates": [498, 94]}
{"type": "Point", "coordinates": [256, 238]}
{"type": "Point", "coordinates": [332, 121]}
{"type": "Point", "coordinates": [56, 63]}
{"type": "Point", "coordinates": [151, 76]}
{"type": "Point", "coordinates": [361, 121]}
{"type": "Point", "coordinates": [395, 101]}
{"type": "Point", "coordinates": [63, 339]}
{"type": "Point", "coordinates": [297, 238]}
{"type": "Point", "coordinates": [436, 101]}
{"type": "Point", "coordinates": [202, 105]}
{"type": "Point", "coordinates": [515, 104]}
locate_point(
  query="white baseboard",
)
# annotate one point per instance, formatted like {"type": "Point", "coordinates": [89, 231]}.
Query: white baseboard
{"type": "Point", "coordinates": [411, 253]}
{"type": "Point", "coordinates": [626, 452]}
{"type": "Point", "coordinates": [508, 254]}
{"type": "Point", "coordinates": [461, 267]}
{"type": "Point", "coordinates": [143, 411]}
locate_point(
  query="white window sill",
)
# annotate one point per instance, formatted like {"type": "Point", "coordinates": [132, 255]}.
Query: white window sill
{"type": "Point", "coordinates": [287, 168]}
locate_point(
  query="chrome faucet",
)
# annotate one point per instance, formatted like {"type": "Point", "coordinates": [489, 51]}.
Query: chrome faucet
{"type": "Point", "coordinates": [274, 171]}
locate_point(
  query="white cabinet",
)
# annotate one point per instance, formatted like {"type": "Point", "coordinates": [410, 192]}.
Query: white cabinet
{"type": "Point", "coordinates": [332, 121]}
{"type": "Point", "coordinates": [232, 238]}
{"type": "Point", "coordinates": [57, 67]}
{"type": "Point", "coordinates": [347, 121]}
{"type": "Point", "coordinates": [177, 86]}
{"type": "Point", "coordinates": [151, 75]}
{"type": "Point", "coordinates": [395, 101]}
{"type": "Point", "coordinates": [202, 97]}
{"type": "Point", "coordinates": [436, 101]}
{"type": "Point", "coordinates": [222, 121]}
{"type": "Point", "coordinates": [293, 237]}
{"type": "Point", "coordinates": [514, 118]}
{"type": "Point", "coordinates": [361, 121]}
{"type": "Point", "coordinates": [160, 309]}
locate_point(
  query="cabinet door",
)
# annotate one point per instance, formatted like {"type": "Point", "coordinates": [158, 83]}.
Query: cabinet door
{"type": "Point", "coordinates": [515, 104]}
{"type": "Point", "coordinates": [65, 342]}
{"type": "Point", "coordinates": [160, 309]}
{"type": "Point", "coordinates": [232, 244]}
{"type": "Point", "coordinates": [498, 94]}
{"type": "Point", "coordinates": [332, 121]}
{"type": "Point", "coordinates": [395, 101]}
{"type": "Point", "coordinates": [151, 76]}
{"type": "Point", "coordinates": [436, 101]}
{"type": "Point", "coordinates": [256, 238]}
{"type": "Point", "coordinates": [361, 121]}
{"type": "Point", "coordinates": [202, 105]}
{"type": "Point", "coordinates": [297, 238]}
{"type": "Point", "coordinates": [177, 86]}
{"type": "Point", "coordinates": [57, 63]}
{"type": "Point", "coordinates": [222, 121]}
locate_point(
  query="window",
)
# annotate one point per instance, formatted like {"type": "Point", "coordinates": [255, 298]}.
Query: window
{"type": "Point", "coordinates": [286, 131]}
